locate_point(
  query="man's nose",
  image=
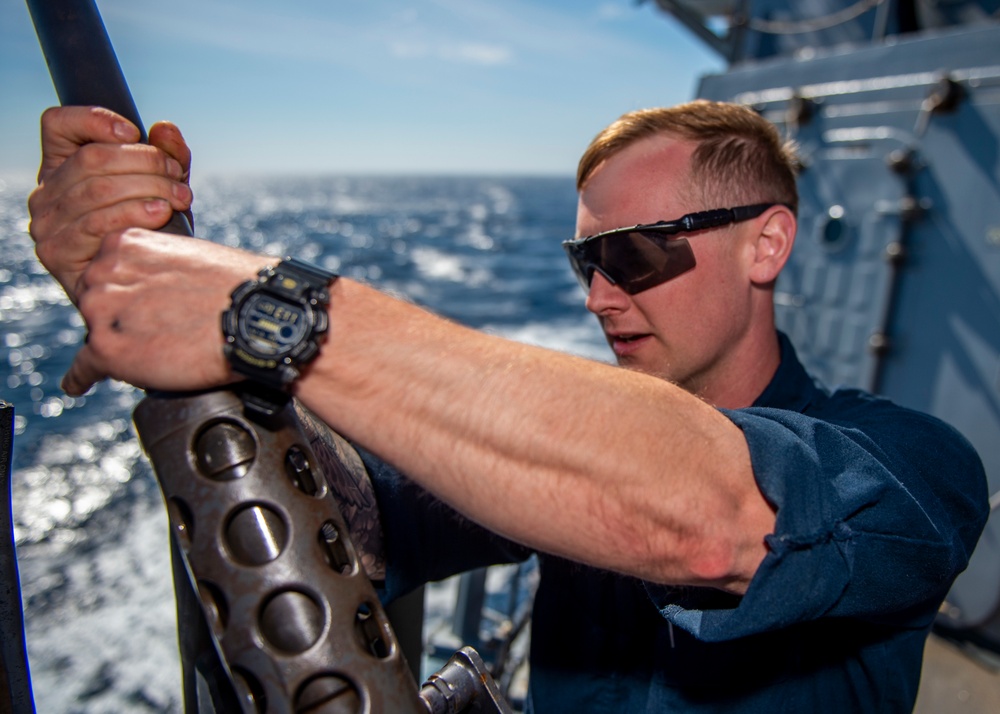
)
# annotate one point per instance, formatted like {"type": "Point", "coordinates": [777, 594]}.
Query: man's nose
{"type": "Point", "coordinates": [605, 297]}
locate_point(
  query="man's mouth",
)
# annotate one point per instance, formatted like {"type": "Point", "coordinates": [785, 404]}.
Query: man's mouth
{"type": "Point", "coordinates": [627, 343]}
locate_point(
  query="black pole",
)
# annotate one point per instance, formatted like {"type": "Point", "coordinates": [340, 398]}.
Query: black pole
{"type": "Point", "coordinates": [82, 62]}
{"type": "Point", "coordinates": [84, 67]}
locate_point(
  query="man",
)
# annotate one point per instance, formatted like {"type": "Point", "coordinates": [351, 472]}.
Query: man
{"type": "Point", "coordinates": [716, 533]}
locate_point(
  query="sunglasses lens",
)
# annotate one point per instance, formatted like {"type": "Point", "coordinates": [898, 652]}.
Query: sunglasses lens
{"type": "Point", "coordinates": [633, 260]}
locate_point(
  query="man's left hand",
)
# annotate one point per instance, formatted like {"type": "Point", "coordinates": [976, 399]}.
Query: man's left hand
{"type": "Point", "coordinates": [95, 179]}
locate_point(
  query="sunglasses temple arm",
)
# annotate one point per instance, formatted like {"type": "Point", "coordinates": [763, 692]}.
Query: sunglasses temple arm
{"type": "Point", "coordinates": [722, 216]}
{"type": "Point", "coordinates": [708, 219]}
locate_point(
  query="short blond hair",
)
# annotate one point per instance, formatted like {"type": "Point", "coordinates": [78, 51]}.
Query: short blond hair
{"type": "Point", "coordinates": [741, 159]}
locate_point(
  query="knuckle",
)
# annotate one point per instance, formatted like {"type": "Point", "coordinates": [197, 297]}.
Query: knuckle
{"type": "Point", "coordinates": [86, 157]}
{"type": "Point", "coordinates": [125, 236]}
{"type": "Point", "coordinates": [96, 303]}
{"type": "Point", "coordinates": [91, 285]}
{"type": "Point", "coordinates": [91, 156]}
{"type": "Point", "coordinates": [133, 236]}
{"type": "Point", "coordinates": [145, 158]}
{"type": "Point", "coordinates": [99, 189]}
{"type": "Point", "coordinates": [115, 241]}
{"type": "Point", "coordinates": [88, 301]}
{"type": "Point", "coordinates": [121, 248]}
{"type": "Point", "coordinates": [96, 223]}
{"type": "Point", "coordinates": [37, 204]}
{"type": "Point", "coordinates": [50, 118]}
{"type": "Point", "coordinates": [35, 199]}
{"type": "Point", "coordinates": [159, 161]}
{"type": "Point", "coordinates": [45, 253]}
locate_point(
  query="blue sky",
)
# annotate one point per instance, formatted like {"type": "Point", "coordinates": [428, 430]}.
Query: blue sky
{"type": "Point", "coordinates": [371, 86]}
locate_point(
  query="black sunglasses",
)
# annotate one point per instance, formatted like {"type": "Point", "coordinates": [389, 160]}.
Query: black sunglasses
{"type": "Point", "coordinates": [644, 256]}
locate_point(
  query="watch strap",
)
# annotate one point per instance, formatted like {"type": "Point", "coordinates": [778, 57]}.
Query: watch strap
{"type": "Point", "coordinates": [312, 273]}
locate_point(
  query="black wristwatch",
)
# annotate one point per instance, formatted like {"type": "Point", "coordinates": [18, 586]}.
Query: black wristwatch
{"type": "Point", "coordinates": [275, 323]}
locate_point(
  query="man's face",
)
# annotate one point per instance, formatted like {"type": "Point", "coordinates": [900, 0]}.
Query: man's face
{"type": "Point", "coordinates": [686, 329]}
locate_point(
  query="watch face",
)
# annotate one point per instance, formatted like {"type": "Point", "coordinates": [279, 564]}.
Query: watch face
{"type": "Point", "coordinates": [272, 326]}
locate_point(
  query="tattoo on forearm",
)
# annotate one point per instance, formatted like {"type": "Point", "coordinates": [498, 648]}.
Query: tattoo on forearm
{"type": "Point", "coordinates": [348, 479]}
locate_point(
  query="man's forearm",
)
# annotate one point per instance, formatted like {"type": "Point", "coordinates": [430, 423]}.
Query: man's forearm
{"type": "Point", "coordinates": [601, 465]}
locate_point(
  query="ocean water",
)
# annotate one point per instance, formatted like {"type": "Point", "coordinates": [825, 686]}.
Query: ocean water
{"type": "Point", "coordinates": [90, 528]}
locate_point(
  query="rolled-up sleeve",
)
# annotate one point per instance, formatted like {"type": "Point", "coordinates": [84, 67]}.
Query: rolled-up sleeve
{"type": "Point", "coordinates": [878, 508]}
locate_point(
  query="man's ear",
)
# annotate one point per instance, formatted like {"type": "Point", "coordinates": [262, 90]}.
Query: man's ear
{"type": "Point", "coordinates": [773, 244]}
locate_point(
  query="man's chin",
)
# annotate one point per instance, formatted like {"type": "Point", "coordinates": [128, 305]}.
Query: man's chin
{"type": "Point", "coordinates": [634, 363]}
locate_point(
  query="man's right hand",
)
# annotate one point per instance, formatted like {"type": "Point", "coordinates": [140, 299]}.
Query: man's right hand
{"type": "Point", "coordinates": [96, 179]}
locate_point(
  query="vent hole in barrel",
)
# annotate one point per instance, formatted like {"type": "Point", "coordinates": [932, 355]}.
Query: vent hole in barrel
{"type": "Point", "coordinates": [371, 632]}
{"type": "Point", "coordinates": [300, 470]}
{"type": "Point", "coordinates": [335, 551]}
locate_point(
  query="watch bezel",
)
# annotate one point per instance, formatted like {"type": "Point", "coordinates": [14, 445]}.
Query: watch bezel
{"type": "Point", "coordinates": [283, 367]}
{"type": "Point", "coordinates": [314, 323]}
